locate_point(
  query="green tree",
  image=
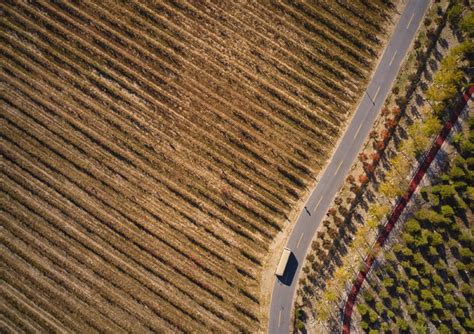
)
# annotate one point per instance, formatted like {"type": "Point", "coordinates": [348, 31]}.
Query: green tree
{"type": "Point", "coordinates": [395, 184]}
{"type": "Point", "coordinates": [443, 329]}
{"type": "Point", "coordinates": [401, 165]}
{"type": "Point", "coordinates": [420, 139]}
{"type": "Point", "coordinates": [373, 316]}
{"type": "Point", "coordinates": [413, 285]}
{"type": "Point", "coordinates": [402, 324]}
{"type": "Point", "coordinates": [420, 327]}
{"type": "Point", "coordinates": [378, 211]}
{"type": "Point", "coordinates": [362, 309]}
{"type": "Point", "coordinates": [467, 24]}
{"type": "Point", "coordinates": [299, 325]}
{"type": "Point", "coordinates": [454, 15]}
{"type": "Point", "coordinates": [413, 226]}
{"type": "Point", "coordinates": [431, 125]}
{"type": "Point", "coordinates": [408, 147]}
{"type": "Point", "coordinates": [425, 306]}
{"type": "Point", "coordinates": [445, 86]}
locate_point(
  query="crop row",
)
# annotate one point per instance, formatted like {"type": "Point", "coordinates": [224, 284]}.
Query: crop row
{"type": "Point", "coordinates": [152, 151]}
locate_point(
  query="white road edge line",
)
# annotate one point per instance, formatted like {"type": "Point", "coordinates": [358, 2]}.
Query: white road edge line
{"type": "Point", "coordinates": [299, 241]}
{"type": "Point", "coordinates": [358, 130]}
{"type": "Point", "coordinates": [338, 167]}
{"type": "Point", "coordinates": [376, 93]}
{"type": "Point", "coordinates": [317, 204]}
{"type": "Point", "coordinates": [393, 58]}
{"type": "Point", "coordinates": [279, 319]}
{"type": "Point", "coordinates": [411, 19]}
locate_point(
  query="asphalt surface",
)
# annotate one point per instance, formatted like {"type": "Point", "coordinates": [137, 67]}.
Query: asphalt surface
{"type": "Point", "coordinates": [336, 171]}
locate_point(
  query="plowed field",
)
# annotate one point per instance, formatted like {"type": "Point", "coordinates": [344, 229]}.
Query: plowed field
{"type": "Point", "coordinates": [151, 151]}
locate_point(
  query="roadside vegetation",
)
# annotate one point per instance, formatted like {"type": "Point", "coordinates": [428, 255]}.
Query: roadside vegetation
{"type": "Point", "coordinates": [407, 126]}
{"type": "Point", "coordinates": [425, 280]}
{"type": "Point", "coordinates": [152, 151]}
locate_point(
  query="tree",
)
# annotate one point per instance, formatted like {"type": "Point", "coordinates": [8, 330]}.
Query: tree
{"type": "Point", "coordinates": [454, 15]}
{"type": "Point", "coordinates": [448, 80]}
{"type": "Point", "coordinates": [369, 169]}
{"type": "Point", "coordinates": [390, 123]}
{"type": "Point", "coordinates": [341, 275]}
{"type": "Point", "coordinates": [425, 306]}
{"type": "Point", "coordinates": [396, 111]}
{"type": "Point", "coordinates": [332, 232]}
{"type": "Point", "coordinates": [378, 211]}
{"type": "Point", "coordinates": [467, 24]}
{"type": "Point", "coordinates": [402, 324]}
{"type": "Point", "coordinates": [395, 184]}
{"type": "Point", "coordinates": [351, 179]}
{"type": "Point", "coordinates": [343, 211]}
{"type": "Point", "coordinates": [332, 211]}
{"type": "Point", "coordinates": [323, 313]}
{"type": "Point", "coordinates": [362, 156]}
{"type": "Point", "coordinates": [359, 242]}
{"type": "Point", "coordinates": [436, 239]}
{"type": "Point", "coordinates": [447, 211]}
{"type": "Point", "coordinates": [443, 329]}
{"type": "Point", "coordinates": [408, 147]}
{"type": "Point", "coordinates": [363, 179]}
{"type": "Point", "coordinates": [379, 145]}
{"type": "Point", "coordinates": [375, 156]}
{"type": "Point", "coordinates": [372, 224]}
{"type": "Point", "coordinates": [355, 189]}
{"type": "Point", "coordinates": [385, 136]}
{"type": "Point", "coordinates": [413, 285]}
{"type": "Point", "coordinates": [299, 325]}
{"type": "Point", "coordinates": [420, 139]}
{"type": "Point", "coordinates": [401, 165]}
{"type": "Point", "coordinates": [431, 125]}
{"type": "Point", "coordinates": [330, 295]}
{"type": "Point", "coordinates": [413, 226]}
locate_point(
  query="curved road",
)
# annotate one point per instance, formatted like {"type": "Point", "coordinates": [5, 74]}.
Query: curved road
{"type": "Point", "coordinates": [342, 159]}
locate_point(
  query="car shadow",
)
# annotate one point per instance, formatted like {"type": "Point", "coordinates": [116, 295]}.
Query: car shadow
{"type": "Point", "coordinates": [290, 271]}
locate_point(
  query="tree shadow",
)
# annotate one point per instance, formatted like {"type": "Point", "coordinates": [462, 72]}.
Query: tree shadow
{"type": "Point", "coordinates": [419, 99]}
{"type": "Point", "coordinates": [424, 86]}
{"type": "Point", "coordinates": [443, 43]}
{"type": "Point", "coordinates": [428, 76]}
{"type": "Point", "coordinates": [437, 54]}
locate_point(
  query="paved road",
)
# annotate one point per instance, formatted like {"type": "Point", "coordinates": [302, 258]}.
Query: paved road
{"type": "Point", "coordinates": [336, 171]}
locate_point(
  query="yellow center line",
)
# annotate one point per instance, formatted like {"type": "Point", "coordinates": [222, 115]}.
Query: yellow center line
{"type": "Point", "coordinates": [376, 93]}
{"type": "Point", "coordinates": [340, 164]}
{"type": "Point", "coordinates": [393, 58]}
{"type": "Point", "coordinates": [358, 130]}
{"type": "Point", "coordinates": [411, 19]}
{"type": "Point", "coordinates": [317, 204]}
{"type": "Point", "coordinates": [299, 241]}
{"type": "Point", "coordinates": [279, 319]}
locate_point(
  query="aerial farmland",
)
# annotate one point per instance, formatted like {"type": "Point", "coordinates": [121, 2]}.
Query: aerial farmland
{"type": "Point", "coordinates": [152, 151]}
